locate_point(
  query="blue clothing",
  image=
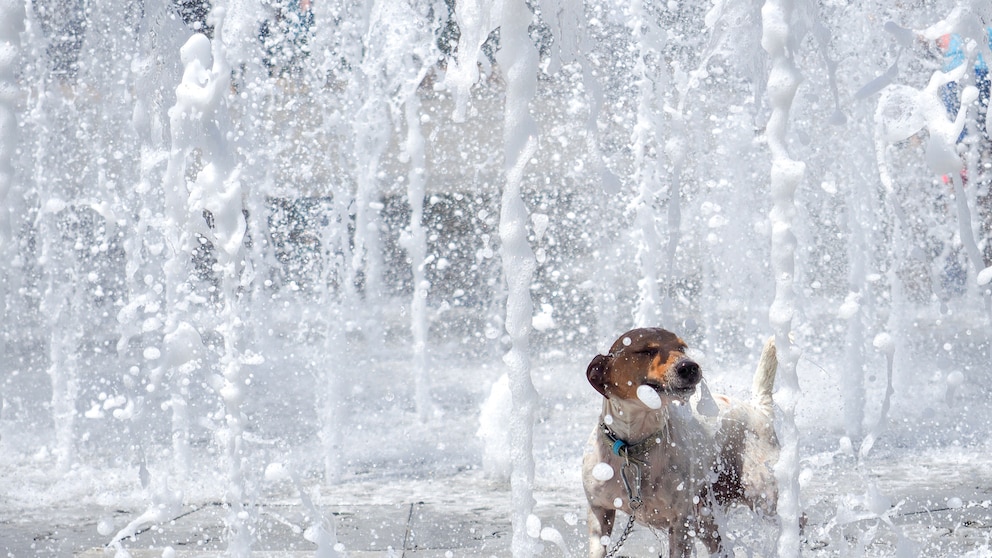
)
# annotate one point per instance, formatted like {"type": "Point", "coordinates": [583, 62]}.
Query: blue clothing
{"type": "Point", "coordinates": [950, 93]}
{"type": "Point", "coordinates": [954, 53]}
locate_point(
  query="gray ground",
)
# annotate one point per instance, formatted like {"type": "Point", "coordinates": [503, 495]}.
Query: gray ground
{"type": "Point", "coordinates": [941, 506]}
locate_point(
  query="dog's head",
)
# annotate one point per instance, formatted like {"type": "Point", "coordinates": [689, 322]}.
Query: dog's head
{"type": "Point", "coordinates": [652, 357]}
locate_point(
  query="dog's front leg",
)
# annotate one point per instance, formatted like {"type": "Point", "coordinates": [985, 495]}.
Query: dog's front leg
{"type": "Point", "coordinates": [600, 525]}
{"type": "Point", "coordinates": [679, 541]}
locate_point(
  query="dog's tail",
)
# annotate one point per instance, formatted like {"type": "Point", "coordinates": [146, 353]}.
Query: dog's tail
{"type": "Point", "coordinates": [764, 379]}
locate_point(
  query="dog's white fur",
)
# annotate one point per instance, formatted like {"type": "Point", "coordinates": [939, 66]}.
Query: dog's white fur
{"type": "Point", "coordinates": [694, 465]}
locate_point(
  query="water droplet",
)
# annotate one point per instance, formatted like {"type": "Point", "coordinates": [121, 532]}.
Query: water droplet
{"type": "Point", "coordinates": [602, 472]}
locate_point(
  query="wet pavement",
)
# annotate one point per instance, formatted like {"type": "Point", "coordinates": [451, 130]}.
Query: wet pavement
{"type": "Point", "coordinates": [934, 508]}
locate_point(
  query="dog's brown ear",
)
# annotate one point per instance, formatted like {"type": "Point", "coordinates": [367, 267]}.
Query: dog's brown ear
{"type": "Point", "coordinates": [596, 373]}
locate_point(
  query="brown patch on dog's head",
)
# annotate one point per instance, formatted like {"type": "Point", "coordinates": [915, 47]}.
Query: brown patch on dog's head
{"type": "Point", "coordinates": [646, 356]}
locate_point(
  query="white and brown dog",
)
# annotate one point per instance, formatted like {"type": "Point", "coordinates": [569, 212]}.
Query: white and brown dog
{"type": "Point", "coordinates": [657, 460]}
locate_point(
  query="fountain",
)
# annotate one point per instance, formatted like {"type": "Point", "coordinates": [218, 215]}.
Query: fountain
{"type": "Point", "coordinates": [249, 236]}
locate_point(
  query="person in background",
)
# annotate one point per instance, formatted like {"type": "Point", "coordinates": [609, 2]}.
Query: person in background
{"type": "Point", "coordinates": [952, 48]}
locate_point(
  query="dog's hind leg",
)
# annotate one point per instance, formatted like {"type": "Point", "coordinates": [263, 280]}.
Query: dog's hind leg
{"type": "Point", "coordinates": [708, 533]}
{"type": "Point", "coordinates": [600, 526]}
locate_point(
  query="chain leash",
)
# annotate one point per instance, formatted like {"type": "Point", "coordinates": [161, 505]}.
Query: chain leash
{"type": "Point", "coordinates": [633, 495]}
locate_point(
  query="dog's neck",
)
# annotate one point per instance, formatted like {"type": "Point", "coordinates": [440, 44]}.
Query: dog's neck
{"type": "Point", "coordinates": [633, 422]}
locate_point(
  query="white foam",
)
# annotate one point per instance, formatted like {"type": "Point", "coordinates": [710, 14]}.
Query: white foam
{"type": "Point", "coordinates": [493, 417]}
{"type": "Point", "coordinates": [544, 320]}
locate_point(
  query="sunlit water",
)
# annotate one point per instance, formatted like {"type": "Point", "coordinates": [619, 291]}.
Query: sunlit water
{"type": "Point", "coordinates": [317, 239]}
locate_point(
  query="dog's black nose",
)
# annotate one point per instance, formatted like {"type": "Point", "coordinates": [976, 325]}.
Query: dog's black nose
{"type": "Point", "coordinates": [688, 371]}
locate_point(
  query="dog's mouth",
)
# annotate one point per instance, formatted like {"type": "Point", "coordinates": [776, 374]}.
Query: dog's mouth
{"type": "Point", "coordinates": [679, 392]}
{"type": "Point", "coordinates": [655, 395]}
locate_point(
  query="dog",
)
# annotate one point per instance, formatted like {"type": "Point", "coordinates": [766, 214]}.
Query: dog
{"type": "Point", "coordinates": [664, 464]}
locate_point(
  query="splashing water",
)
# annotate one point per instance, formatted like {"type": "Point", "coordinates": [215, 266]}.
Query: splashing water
{"type": "Point", "coordinates": [287, 231]}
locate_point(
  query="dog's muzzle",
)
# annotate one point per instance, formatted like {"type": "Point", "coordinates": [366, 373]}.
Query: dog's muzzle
{"type": "Point", "coordinates": [687, 373]}
{"type": "Point", "coordinates": [681, 381]}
